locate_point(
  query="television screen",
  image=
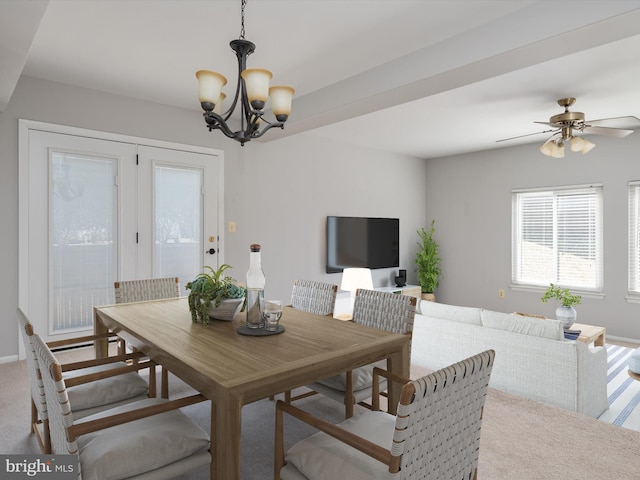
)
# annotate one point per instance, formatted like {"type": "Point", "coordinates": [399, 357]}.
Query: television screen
{"type": "Point", "coordinates": [362, 242]}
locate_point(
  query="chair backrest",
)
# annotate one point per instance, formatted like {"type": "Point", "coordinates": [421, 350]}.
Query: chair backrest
{"type": "Point", "coordinates": [58, 406]}
{"type": "Point", "coordinates": [35, 380]}
{"type": "Point", "coordinates": [314, 297]}
{"type": "Point", "coordinates": [384, 310]}
{"type": "Point", "coordinates": [438, 423]}
{"type": "Point", "coordinates": [149, 289]}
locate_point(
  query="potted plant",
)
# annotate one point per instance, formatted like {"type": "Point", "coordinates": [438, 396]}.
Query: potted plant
{"type": "Point", "coordinates": [213, 296]}
{"type": "Point", "coordinates": [565, 312]}
{"type": "Point", "coordinates": [428, 263]}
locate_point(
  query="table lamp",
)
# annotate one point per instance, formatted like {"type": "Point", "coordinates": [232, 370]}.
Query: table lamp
{"type": "Point", "coordinates": [352, 280]}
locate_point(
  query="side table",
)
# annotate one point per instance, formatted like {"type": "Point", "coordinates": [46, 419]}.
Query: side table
{"type": "Point", "coordinates": [590, 333]}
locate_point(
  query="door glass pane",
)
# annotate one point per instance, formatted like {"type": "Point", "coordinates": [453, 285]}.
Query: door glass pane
{"type": "Point", "coordinates": [178, 223]}
{"type": "Point", "coordinates": [83, 200]}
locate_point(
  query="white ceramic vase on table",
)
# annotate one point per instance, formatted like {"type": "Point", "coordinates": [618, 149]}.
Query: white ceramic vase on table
{"type": "Point", "coordinates": [567, 315]}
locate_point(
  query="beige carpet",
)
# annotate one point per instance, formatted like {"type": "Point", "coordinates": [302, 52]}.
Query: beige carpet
{"type": "Point", "coordinates": [526, 440]}
{"type": "Point", "coordinates": [521, 439]}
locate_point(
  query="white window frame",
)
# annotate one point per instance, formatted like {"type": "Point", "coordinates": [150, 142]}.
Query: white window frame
{"type": "Point", "coordinates": [553, 194]}
{"type": "Point", "coordinates": [633, 293]}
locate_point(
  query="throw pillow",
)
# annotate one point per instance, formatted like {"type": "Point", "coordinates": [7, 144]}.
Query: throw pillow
{"type": "Point", "coordinates": [537, 327]}
{"type": "Point", "coordinates": [455, 313]}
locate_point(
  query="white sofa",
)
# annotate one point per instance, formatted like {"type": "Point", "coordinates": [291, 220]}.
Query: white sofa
{"type": "Point", "coordinates": [533, 359]}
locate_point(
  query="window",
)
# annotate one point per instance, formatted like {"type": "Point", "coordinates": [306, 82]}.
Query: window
{"type": "Point", "coordinates": [634, 240]}
{"type": "Point", "coordinates": [557, 237]}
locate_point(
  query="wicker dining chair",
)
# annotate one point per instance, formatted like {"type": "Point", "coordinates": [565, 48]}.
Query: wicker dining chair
{"type": "Point", "coordinates": [434, 435]}
{"type": "Point", "coordinates": [127, 291]}
{"type": "Point", "coordinates": [314, 297]}
{"type": "Point", "coordinates": [113, 382]}
{"type": "Point", "coordinates": [146, 439]}
{"type": "Point", "coordinates": [384, 310]}
{"type": "Point", "coordinates": [147, 289]}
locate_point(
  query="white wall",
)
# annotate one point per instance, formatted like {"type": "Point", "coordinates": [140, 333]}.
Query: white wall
{"type": "Point", "coordinates": [279, 193]}
{"type": "Point", "coordinates": [470, 198]}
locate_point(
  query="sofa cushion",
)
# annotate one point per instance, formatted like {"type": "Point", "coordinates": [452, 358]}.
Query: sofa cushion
{"type": "Point", "coordinates": [455, 313]}
{"type": "Point", "coordinates": [537, 327]}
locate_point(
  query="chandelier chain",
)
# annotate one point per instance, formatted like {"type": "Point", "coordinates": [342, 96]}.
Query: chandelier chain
{"type": "Point", "coordinates": [243, 4]}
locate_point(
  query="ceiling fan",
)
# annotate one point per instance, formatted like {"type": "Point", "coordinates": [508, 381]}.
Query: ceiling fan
{"type": "Point", "coordinates": [567, 124]}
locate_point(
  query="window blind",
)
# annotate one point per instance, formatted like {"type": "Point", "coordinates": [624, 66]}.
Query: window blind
{"type": "Point", "coordinates": [557, 237]}
{"type": "Point", "coordinates": [634, 238]}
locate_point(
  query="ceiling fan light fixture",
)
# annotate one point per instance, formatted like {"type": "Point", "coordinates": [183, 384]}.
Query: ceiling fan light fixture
{"type": "Point", "coordinates": [588, 146]}
{"type": "Point", "coordinates": [547, 147]}
{"type": "Point", "coordinates": [577, 144]}
{"type": "Point", "coordinates": [557, 150]}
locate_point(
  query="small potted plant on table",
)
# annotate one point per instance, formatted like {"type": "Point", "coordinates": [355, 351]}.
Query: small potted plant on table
{"type": "Point", "coordinates": [565, 312]}
{"type": "Point", "coordinates": [213, 296]}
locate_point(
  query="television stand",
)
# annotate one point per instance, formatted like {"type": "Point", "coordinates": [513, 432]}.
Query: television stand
{"type": "Point", "coordinates": [412, 290]}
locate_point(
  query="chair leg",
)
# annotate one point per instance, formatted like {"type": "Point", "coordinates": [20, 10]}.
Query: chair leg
{"type": "Point", "coordinates": [153, 392]}
{"type": "Point", "coordinates": [34, 417]}
{"type": "Point", "coordinates": [287, 397]}
{"type": "Point", "coordinates": [47, 436]}
{"type": "Point", "coordinates": [164, 385]}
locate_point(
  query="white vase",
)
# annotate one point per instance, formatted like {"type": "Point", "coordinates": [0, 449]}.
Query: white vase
{"type": "Point", "coordinates": [567, 315]}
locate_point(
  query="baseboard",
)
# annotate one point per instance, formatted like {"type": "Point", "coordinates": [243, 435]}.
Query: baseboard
{"type": "Point", "coordinates": [9, 359]}
{"type": "Point", "coordinates": [623, 339]}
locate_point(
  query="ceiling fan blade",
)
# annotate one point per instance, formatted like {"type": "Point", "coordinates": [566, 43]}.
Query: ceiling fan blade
{"type": "Point", "coordinates": [526, 135]}
{"type": "Point", "coordinates": [610, 132]}
{"type": "Point", "coordinates": [629, 123]}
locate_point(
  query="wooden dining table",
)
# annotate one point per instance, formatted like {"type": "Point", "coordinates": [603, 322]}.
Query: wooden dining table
{"type": "Point", "coordinates": [233, 370]}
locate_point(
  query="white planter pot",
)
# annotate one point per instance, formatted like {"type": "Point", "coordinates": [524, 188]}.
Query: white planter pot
{"type": "Point", "coordinates": [567, 315]}
{"type": "Point", "coordinates": [227, 309]}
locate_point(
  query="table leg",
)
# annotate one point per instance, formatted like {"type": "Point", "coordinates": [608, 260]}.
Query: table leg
{"type": "Point", "coordinates": [226, 434]}
{"type": "Point", "coordinates": [101, 346]}
{"type": "Point", "coordinates": [398, 363]}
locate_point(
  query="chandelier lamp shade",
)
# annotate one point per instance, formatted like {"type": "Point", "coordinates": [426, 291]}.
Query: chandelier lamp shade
{"type": "Point", "coordinates": [251, 95]}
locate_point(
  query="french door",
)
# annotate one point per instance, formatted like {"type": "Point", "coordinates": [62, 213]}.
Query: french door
{"type": "Point", "coordinates": [96, 210]}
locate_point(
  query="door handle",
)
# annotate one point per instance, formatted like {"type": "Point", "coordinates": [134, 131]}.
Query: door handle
{"type": "Point", "coordinates": [211, 251]}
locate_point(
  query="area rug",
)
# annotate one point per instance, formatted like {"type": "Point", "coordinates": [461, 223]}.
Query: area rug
{"type": "Point", "coordinates": [622, 390]}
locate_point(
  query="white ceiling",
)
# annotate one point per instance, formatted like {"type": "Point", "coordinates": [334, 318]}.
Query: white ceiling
{"type": "Point", "coordinates": [424, 78]}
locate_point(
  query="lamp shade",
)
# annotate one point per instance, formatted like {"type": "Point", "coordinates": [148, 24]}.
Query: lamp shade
{"type": "Point", "coordinates": [257, 82]}
{"type": "Point", "coordinates": [281, 97]}
{"type": "Point", "coordinates": [547, 148]}
{"type": "Point", "coordinates": [557, 150]}
{"type": "Point", "coordinates": [218, 108]}
{"type": "Point", "coordinates": [355, 278]}
{"type": "Point", "coordinates": [210, 86]}
{"type": "Point", "coordinates": [588, 146]}
{"type": "Point", "coordinates": [577, 144]}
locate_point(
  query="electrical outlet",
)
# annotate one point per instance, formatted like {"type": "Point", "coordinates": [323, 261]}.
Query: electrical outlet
{"type": "Point", "coordinates": [501, 293]}
{"type": "Point", "coordinates": [232, 227]}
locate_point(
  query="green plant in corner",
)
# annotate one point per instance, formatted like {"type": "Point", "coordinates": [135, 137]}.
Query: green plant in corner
{"type": "Point", "coordinates": [562, 294]}
{"type": "Point", "coordinates": [211, 287]}
{"type": "Point", "coordinates": [428, 260]}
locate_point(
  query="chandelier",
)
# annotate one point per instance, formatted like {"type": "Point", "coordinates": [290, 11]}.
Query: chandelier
{"type": "Point", "coordinates": [554, 147]}
{"type": "Point", "coordinates": [252, 91]}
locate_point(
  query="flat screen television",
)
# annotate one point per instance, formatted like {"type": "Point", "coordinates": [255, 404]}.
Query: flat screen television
{"type": "Point", "coordinates": [362, 242]}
